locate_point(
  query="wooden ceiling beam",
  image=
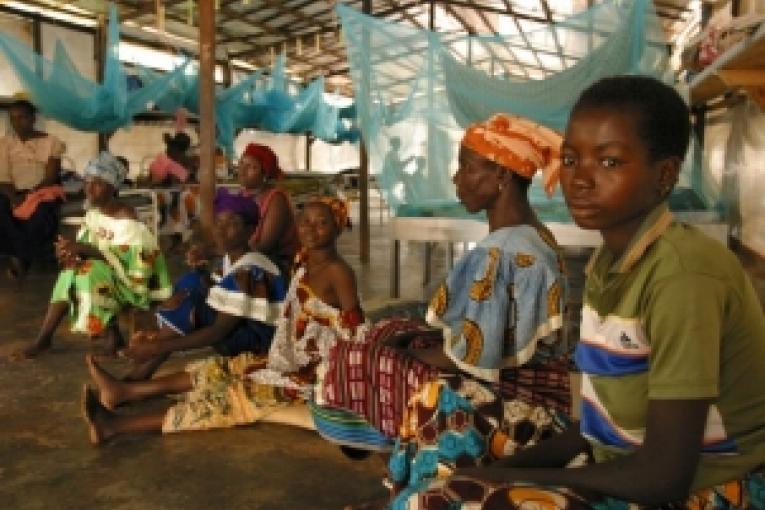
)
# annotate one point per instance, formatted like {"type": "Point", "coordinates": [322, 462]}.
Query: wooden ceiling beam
{"type": "Point", "coordinates": [549, 16]}
{"type": "Point", "coordinates": [494, 31]}
{"type": "Point", "coordinates": [144, 8]}
{"type": "Point", "coordinates": [671, 6]}
{"type": "Point", "coordinates": [469, 5]}
{"type": "Point", "coordinates": [405, 13]}
{"type": "Point", "coordinates": [471, 31]}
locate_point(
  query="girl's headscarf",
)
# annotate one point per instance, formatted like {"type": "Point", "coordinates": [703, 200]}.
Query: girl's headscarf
{"type": "Point", "coordinates": [107, 168]}
{"type": "Point", "coordinates": [519, 145]}
{"type": "Point", "coordinates": [267, 158]}
{"type": "Point", "coordinates": [242, 206]}
{"type": "Point", "coordinates": [338, 207]}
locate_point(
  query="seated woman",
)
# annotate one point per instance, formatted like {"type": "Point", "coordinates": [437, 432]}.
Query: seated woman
{"type": "Point", "coordinates": [276, 235]}
{"type": "Point", "coordinates": [174, 166]}
{"type": "Point", "coordinates": [172, 175]}
{"type": "Point", "coordinates": [30, 163]}
{"type": "Point", "coordinates": [498, 317]}
{"type": "Point", "coordinates": [673, 336]}
{"type": "Point", "coordinates": [321, 308]}
{"type": "Point", "coordinates": [115, 262]}
{"type": "Point", "coordinates": [234, 314]}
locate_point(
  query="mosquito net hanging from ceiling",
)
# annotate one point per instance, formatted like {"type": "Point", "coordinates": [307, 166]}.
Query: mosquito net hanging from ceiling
{"type": "Point", "coordinates": [62, 93]}
{"type": "Point", "coordinates": [417, 90]}
{"type": "Point", "coordinates": [263, 101]}
{"type": "Point", "coordinates": [59, 91]}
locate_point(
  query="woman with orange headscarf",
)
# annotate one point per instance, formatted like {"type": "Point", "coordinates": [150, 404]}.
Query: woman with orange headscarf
{"type": "Point", "coordinates": [495, 324]}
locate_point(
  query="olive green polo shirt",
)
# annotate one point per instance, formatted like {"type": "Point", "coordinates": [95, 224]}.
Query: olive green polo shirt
{"type": "Point", "coordinates": [675, 317]}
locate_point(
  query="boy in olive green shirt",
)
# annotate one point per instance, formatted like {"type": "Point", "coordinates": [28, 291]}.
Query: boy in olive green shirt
{"type": "Point", "coordinates": [672, 348]}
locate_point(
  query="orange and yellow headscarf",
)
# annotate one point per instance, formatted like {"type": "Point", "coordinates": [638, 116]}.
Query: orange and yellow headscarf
{"type": "Point", "coordinates": [338, 207]}
{"type": "Point", "coordinates": [519, 145]}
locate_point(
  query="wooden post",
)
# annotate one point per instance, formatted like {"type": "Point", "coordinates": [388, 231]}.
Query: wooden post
{"type": "Point", "coordinates": [37, 41]}
{"type": "Point", "coordinates": [207, 113]}
{"type": "Point", "coordinates": [99, 50]}
{"type": "Point", "coordinates": [366, 8]}
{"type": "Point", "coordinates": [308, 143]}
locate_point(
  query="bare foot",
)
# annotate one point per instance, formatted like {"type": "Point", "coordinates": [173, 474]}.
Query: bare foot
{"type": "Point", "coordinates": [376, 504]}
{"type": "Point", "coordinates": [109, 391]}
{"type": "Point", "coordinates": [29, 352]}
{"type": "Point", "coordinates": [95, 415]}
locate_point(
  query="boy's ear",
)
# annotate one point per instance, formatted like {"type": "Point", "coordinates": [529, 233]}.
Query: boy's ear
{"type": "Point", "coordinates": [669, 170]}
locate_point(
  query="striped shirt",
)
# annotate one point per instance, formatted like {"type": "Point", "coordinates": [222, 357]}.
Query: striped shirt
{"type": "Point", "coordinates": [675, 317]}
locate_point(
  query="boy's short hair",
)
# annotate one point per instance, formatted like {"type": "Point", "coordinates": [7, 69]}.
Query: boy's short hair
{"type": "Point", "coordinates": [664, 119]}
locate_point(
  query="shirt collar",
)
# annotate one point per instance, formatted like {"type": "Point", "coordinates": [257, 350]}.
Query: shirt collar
{"type": "Point", "coordinates": [653, 226]}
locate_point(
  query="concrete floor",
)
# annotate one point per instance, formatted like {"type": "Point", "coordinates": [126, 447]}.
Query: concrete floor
{"type": "Point", "coordinates": [46, 461]}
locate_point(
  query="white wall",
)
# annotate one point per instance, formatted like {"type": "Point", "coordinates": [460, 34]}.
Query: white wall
{"type": "Point", "coordinates": [140, 143]}
{"type": "Point", "coordinates": [734, 150]}
{"type": "Point", "coordinates": [290, 149]}
{"type": "Point", "coordinates": [745, 158]}
{"type": "Point", "coordinates": [21, 30]}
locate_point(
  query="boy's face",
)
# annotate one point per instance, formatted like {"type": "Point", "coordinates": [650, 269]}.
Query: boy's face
{"type": "Point", "coordinates": [230, 232]}
{"type": "Point", "coordinates": [316, 226]}
{"type": "Point", "coordinates": [476, 181]}
{"type": "Point", "coordinates": [607, 178]}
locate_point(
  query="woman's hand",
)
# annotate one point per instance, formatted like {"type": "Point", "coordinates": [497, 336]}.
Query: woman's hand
{"type": "Point", "coordinates": [196, 256]}
{"type": "Point", "coordinates": [66, 252]}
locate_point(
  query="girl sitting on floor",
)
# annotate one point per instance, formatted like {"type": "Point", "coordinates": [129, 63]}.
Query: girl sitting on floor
{"type": "Point", "coordinates": [114, 262]}
{"type": "Point", "coordinates": [321, 308]}
{"type": "Point", "coordinates": [235, 314]}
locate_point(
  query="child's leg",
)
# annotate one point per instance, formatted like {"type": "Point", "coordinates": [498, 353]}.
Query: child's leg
{"type": "Point", "coordinates": [113, 392]}
{"type": "Point", "coordinates": [104, 424]}
{"type": "Point", "coordinates": [143, 371]}
{"type": "Point", "coordinates": [53, 317]}
{"type": "Point", "coordinates": [113, 339]}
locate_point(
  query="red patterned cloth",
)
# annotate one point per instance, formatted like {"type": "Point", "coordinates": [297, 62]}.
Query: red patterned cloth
{"type": "Point", "coordinates": [545, 383]}
{"type": "Point", "coordinates": [374, 380]}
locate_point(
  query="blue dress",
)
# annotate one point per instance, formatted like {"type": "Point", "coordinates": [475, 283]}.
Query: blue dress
{"type": "Point", "coordinates": [201, 303]}
{"type": "Point", "coordinates": [500, 301]}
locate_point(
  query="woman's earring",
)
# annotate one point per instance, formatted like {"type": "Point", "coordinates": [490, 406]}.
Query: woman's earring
{"type": "Point", "coordinates": [500, 187]}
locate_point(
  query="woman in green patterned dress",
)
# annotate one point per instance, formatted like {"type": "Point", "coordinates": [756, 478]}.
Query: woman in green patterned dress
{"type": "Point", "coordinates": [113, 263]}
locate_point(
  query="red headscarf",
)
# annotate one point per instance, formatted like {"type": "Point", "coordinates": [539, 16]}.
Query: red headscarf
{"type": "Point", "coordinates": [267, 159]}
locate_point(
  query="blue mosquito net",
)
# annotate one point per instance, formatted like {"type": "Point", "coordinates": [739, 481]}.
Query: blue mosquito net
{"type": "Point", "coordinates": [59, 90]}
{"type": "Point", "coordinates": [417, 90]}
{"type": "Point", "coordinates": [258, 101]}
{"type": "Point", "coordinates": [263, 101]}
